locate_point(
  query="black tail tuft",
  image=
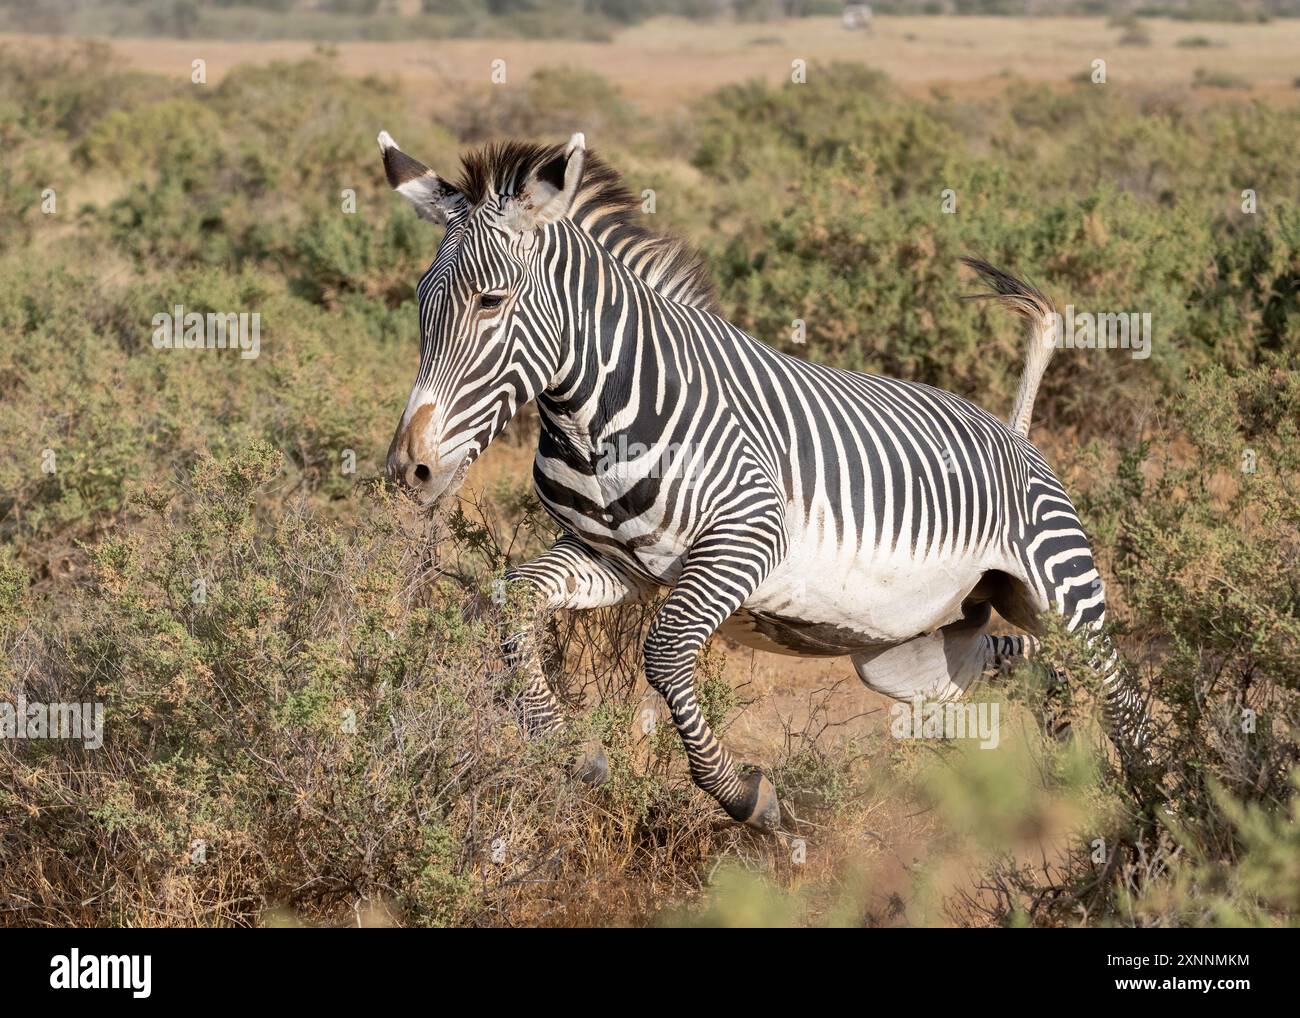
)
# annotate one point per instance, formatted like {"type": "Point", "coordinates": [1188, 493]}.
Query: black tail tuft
{"type": "Point", "coordinates": [1004, 285]}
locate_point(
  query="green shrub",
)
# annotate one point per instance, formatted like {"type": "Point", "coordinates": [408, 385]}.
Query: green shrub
{"type": "Point", "coordinates": [299, 712]}
{"type": "Point", "coordinates": [133, 481]}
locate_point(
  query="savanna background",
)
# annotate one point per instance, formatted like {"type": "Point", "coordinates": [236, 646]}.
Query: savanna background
{"type": "Point", "coordinates": [308, 721]}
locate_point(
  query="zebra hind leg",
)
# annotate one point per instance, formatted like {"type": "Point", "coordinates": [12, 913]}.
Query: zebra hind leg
{"type": "Point", "coordinates": [1003, 653]}
{"type": "Point", "coordinates": [1061, 574]}
{"type": "Point", "coordinates": [942, 665]}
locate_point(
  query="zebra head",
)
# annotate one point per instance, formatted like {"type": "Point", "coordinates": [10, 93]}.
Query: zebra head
{"type": "Point", "coordinates": [489, 327]}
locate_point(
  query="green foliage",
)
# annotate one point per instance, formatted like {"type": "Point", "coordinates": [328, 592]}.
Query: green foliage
{"type": "Point", "coordinates": [306, 682]}
{"type": "Point", "coordinates": [833, 200]}
{"type": "Point", "coordinates": [294, 699]}
{"type": "Point", "coordinates": [552, 103]}
{"type": "Point", "coordinates": [1200, 522]}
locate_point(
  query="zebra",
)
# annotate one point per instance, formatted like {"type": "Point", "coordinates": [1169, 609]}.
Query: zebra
{"type": "Point", "coordinates": [783, 504]}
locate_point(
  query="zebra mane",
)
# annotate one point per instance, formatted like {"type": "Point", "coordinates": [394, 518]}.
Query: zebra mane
{"type": "Point", "coordinates": [603, 208]}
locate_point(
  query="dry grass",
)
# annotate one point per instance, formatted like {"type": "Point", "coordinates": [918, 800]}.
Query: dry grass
{"type": "Point", "coordinates": [385, 826]}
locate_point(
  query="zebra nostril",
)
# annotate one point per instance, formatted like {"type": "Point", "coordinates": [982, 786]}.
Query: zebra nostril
{"type": "Point", "coordinates": [422, 473]}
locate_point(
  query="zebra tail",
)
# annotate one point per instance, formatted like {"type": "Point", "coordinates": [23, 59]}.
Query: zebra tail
{"type": "Point", "coordinates": [1025, 300]}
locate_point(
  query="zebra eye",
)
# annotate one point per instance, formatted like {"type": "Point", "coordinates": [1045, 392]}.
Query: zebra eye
{"type": "Point", "coordinates": [489, 301]}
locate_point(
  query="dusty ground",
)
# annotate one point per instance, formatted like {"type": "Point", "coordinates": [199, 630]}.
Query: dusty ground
{"type": "Point", "coordinates": [666, 62]}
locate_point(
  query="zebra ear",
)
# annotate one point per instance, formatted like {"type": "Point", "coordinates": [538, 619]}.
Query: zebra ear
{"type": "Point", "coordinates": [548, 193]}
{"type": "Point", "coordinates": [429, 194]}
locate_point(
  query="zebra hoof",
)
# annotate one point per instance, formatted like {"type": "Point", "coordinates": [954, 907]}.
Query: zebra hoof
{"type": "Point", "coordinates": [592, 767]}
{"type": "Point", "coordinates": [759, 806]}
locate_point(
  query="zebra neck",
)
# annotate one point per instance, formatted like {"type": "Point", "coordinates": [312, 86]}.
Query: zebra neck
{"type": "Point", "coordinates": [633, 364]}
{"type": "Point", "coordinates": [613, 321]}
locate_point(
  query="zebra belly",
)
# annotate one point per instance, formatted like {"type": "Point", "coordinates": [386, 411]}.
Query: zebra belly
{"type": "Point", "coordinates": [824, 606]}
{"type": "Point", "coordinates": [778, 635]}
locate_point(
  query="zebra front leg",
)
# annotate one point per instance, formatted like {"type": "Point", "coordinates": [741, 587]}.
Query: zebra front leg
{"type": "Point", "coordinates": [721, 571]}
{"type": "Point", "coordinates": [569, 575]}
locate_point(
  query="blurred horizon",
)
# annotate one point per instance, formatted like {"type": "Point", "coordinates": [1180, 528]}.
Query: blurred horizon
{"type": "Point", "coordinates": [591, 20]}
{"type": "Point", "coordinates": [663, 65]}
